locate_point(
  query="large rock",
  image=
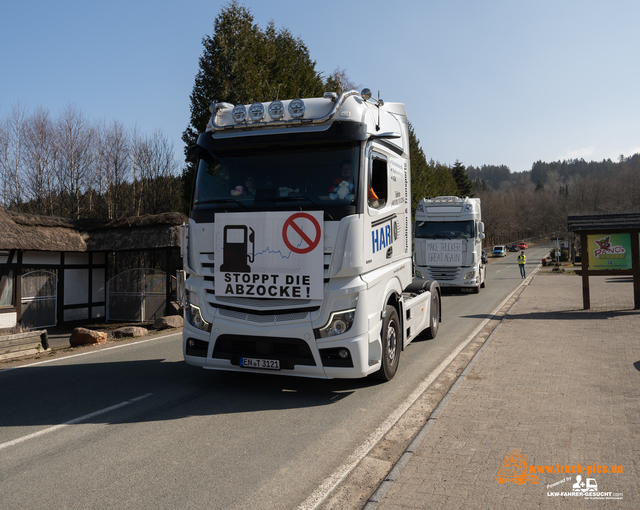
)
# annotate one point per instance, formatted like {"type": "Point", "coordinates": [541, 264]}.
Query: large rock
{"type": "Point", "coordinates": [170, 321]}
{"type": "Point", "coordinates": [129, 331]}
{"type": "Point", "coordinates": [82, 336]}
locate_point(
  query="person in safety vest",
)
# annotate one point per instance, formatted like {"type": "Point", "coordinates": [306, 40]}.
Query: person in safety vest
{"type": "Point", "coordinates": [522, 262]}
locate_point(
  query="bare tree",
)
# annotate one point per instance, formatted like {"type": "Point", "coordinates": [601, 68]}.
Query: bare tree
{"type": "Point", "coordinates": [4, 161]}
{"type": "Point", "coordinates": [73, 146]}
{"type": "Point", "coordinates": [10, 156]}
{"type": "Point", "coordinates": [38, 158]}
{"type": "Point", "coordinates": [158, 173]}
{"type": "Point", "coordinates": [115, 160]}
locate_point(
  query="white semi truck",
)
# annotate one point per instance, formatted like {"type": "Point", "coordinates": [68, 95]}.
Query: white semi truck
{"type": "Point", "coordinates": [448, 242]}
{"type": "Point", "coordinates": [297, 254]}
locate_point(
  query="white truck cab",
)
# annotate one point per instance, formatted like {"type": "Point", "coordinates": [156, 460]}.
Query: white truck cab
{"type": "Point", "coordinates": [448, 242]}
{"type": "Point", "coordinates": [297, 253]}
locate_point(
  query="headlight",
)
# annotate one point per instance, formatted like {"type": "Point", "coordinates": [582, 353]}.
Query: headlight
{"type": "Point", "coordinates": [420, 274]}
{"type": "Point", "coordinates": [296, 108]}
{"type": "Point", "coordinates": [276, 109]}
{"type": "Point", "coordinates": [469, 275]}
{"type": "Point", "coordinates": [239, 113]}
{"type": "Point", "coordinates": [194, 314]}
{"type": "Point", "coordinates": [256, 111]}
{"type": "Point", "coordinates": [339, 322]}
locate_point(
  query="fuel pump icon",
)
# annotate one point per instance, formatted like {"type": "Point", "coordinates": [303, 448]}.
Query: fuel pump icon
{"type": "Point", "coordinates": [236, 249]}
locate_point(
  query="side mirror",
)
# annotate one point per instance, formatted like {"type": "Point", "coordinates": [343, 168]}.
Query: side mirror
{"type": "Point", "coordinates": [196, 152]}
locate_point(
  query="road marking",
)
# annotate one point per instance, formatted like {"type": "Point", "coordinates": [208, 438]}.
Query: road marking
{"type": "Point", "coordinates": [337, 477]}
{"type": "Point", "coordinates": [73, 422]}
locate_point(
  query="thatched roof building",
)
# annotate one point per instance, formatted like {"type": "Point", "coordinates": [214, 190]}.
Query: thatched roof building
{"type": "Point", "coordinates": [41, 233]}
{"type": "Point", "coordinates": [75, 255]}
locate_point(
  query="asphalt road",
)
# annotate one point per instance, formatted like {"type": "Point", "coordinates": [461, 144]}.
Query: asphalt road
{"type": "Point", "coordinates": [132, 426]}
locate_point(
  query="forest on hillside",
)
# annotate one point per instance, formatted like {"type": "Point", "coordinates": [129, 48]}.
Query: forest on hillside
{"type": "Point", "coordinates": [527, 204]}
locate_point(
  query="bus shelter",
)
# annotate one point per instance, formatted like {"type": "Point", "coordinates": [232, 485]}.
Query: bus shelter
{"type": "Point", "coordinates": [610, 246]}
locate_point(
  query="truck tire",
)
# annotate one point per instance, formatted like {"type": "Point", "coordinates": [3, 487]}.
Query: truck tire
{"type": "Point", "coordinates": [391, 345]}
{"type": "Point", "coordinates": [434, 315]}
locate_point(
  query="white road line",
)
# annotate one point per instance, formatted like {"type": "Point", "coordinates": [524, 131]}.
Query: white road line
{"type": "Point", "coordinates": [73, 422]}
{"type": "Point", "coordinates": [328, 486]}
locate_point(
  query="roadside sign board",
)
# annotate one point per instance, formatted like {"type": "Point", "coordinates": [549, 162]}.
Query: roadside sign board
{"type": "Point", "coordinates": [609, 251]}
{"type": "Point", "coordinates": [275, 255]}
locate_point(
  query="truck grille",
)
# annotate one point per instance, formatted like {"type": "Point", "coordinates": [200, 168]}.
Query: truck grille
{"type": "Point", "coordinates": [443, 273]}
{"type": "Point", "coordinates": [262, 319]}
{"type": "Point", "coordinates": [290, 351]}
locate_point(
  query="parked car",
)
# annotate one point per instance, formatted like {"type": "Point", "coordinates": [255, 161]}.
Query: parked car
{"type": "Point", "coordinates": [499, 250]}
{"type": "Point", "coordinates": [513, 247]}
{"type": "Point", "coordinates": [484, 257]}
{"type": "Point", "coordinates": [523, 245]}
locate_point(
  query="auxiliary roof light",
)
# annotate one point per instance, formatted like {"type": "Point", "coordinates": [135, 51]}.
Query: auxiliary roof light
{"type": "Point", "coordinates": [297, 108]}
{"type": "Point", "coordinates": [256, 112]}
{"type": "Point", "coordinates": [276, 110]}
{"type": "Point", "coordinates": [239, 113]}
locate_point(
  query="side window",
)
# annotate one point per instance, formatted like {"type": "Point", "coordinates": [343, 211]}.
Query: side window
{"type": "Point", "coordinates": [378, 179]}
{"type": "Point", "coordinates": [6, 289]}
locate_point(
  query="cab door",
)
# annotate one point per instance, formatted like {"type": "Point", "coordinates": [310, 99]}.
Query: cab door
{"type": "Point", "coordinates": [386, 215]}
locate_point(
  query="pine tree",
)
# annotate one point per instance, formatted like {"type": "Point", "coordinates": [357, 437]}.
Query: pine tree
{"type": "Point", "coordinates": [241, 63]}
{"type": "Point", "coordinates": [421, 174]}
{"type": "Point", "coordinates": [459, 172]}
{"type": "Point", "coordinates": [444, 184]}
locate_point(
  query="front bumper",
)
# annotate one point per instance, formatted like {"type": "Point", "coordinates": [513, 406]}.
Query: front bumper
{"type": "Point", "coordinates": [299, 353]}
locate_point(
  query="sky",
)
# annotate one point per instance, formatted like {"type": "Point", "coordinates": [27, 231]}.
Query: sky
{"type": "Point", "coordinates": [485, 82]}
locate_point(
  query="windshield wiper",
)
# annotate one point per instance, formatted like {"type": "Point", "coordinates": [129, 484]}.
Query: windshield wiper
{"type": "Point", "coordinates": [297, 199]}
{"type": "Point", "coordinates": [222, 201]}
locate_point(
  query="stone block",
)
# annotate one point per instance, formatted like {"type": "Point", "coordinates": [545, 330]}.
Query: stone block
{"type": "Point", "coordinates": [170, 321]}
{"type": "Point", "coordinates": [83, 336]}
{"type": "Point", "coordinates": [129, 331]}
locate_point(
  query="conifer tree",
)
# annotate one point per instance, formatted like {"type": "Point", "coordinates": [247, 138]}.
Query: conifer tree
{"type": "Point", "coordinates": [459, 172]}
{"type": "Point", "coordinates": [241, 63]}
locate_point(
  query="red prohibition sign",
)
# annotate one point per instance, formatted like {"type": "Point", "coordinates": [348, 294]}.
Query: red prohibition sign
{"type": "Point", "coordinates": [290, 223]}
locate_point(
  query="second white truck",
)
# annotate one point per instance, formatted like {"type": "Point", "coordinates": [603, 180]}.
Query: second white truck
{"type": "Point", "coordinates": [448, 242]}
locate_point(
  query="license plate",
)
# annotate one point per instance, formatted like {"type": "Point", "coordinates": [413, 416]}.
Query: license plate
{"type": "Point", "coordinates": [268, 364]}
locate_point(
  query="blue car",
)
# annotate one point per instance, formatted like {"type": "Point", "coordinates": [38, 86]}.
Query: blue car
{"type": "Point", "coordinates": [500, 251]}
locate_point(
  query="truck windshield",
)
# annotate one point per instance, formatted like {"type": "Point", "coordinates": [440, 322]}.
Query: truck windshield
{"type": "Point", "coordinates": [311, 176]}
{"type": "Point", "coordinates": [444, 230]}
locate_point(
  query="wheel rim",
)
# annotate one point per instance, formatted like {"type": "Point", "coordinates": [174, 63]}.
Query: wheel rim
{"type": "Point", "coordinates": [392, 342]}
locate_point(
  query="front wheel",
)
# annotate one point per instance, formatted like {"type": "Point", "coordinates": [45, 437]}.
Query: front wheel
{"type": "Point", "coordinates": [391, 339]}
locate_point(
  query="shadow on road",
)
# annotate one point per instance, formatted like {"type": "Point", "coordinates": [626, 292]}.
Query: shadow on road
{"type": "Point", "coordinates": [50, 395]}
{"type": "Point", "coordinates": [562, 315]}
